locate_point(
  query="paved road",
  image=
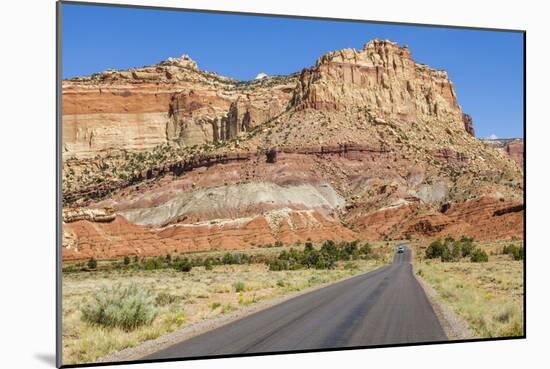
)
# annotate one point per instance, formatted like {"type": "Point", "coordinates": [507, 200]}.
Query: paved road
{"type": "Point", "coordinates": [385, 306]}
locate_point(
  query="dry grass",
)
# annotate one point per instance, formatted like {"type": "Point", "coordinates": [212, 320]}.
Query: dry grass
{"type": "Point", "coordinates": [182, 299]}
{"type": "Point", "coordinates": [489, 296]}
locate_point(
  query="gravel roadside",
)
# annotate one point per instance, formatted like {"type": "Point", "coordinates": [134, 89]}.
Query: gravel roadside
{"type": "Point", "coordinates": [455, 327]}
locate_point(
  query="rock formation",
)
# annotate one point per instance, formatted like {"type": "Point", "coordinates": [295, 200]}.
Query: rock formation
{"type": "Point", "coordinates": [468, 124]}
{"type": "Point", "coordinates": [172, 102]}
{"type": "Point", "coordinates": [513, 147]}
{"type": "Point", "coordinates": [382, 77]}
{"type": "Point", "coordinates": [364, 144]}
{"type": "Point", "coordinates": [92, 215]}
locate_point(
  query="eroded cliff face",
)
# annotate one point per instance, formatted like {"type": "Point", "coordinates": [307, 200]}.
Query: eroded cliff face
{"type": "Point", "coordinates": [468, 124]}
{"type": "Point", "coordinates": [365, 144]}
{"type": "Point", "coordinates": [123, 110]}
{"type": "Point", "coordinates": [516, 151]}
{"type": "Point", "coordinates": [382, 77]}
{"type": "Point", "coordinates": [196, 119]}
{"type": "Point", "coordinates": [173, 103]}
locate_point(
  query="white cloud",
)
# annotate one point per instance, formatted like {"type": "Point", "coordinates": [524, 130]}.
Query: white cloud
{"type": "Point", "coordinates": [493, 137]}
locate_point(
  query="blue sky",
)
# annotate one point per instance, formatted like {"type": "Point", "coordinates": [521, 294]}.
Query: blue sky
{"type": "Point", "coordinates": [486, 67]}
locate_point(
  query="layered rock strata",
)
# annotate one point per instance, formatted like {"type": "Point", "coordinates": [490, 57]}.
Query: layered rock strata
{"type": "Point", "coordinates": [365, 144]}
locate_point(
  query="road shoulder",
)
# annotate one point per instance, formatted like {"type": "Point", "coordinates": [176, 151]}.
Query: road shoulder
{"type": "Point", "coordinates": [455, 327]}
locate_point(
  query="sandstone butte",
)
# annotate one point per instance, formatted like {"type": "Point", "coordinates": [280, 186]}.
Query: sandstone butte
{"type": "Point", "coordinates": [365, 144]}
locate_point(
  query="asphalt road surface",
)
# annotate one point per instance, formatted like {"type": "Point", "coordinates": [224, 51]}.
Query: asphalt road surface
{"type": "Point", "coordinates": [385, 306]}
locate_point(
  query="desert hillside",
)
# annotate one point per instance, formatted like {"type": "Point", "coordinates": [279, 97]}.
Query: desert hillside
{"type": "Point", "coordinates": [513, 147]}
{"type": "Point", "coordinates": [366, 144]}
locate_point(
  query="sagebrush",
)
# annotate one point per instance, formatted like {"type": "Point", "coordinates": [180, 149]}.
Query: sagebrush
{"type": "Point", "coordinates": [125, 307]}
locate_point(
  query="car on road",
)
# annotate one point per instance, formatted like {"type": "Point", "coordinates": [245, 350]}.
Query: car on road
{"type": "Point", "coordinates": [401, 249]}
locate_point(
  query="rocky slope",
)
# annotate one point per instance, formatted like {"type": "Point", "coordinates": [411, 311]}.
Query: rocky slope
{"type": "Point", "coordinates": [364, 144]}
{"type": "Point", "coordinates": [513, 147]}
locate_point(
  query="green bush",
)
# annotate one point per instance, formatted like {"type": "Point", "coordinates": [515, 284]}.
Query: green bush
{"type": "Point", "coordinates": [164, 299]}
{"type": "Point", "coordinates": [435, 250]}
{"type": "Point", "coordinates": [292, 259]}
{"type": "Point", "coordinates": [241, 258]}
{"type": "Point", "coordinates": [479, 256]}
{"type": "Point", "coordinates": [508, 249]}
{"type": "Point", "coordinates": [239, 286]}
{"type": "Point", "coordinates": [324, 258]}
{"type": "Point", "coordinates": [237, 258]}
{"type": "Point", "coordinates": [153, 264]}
{"type": "Point", "coordinates": [449, 240]}
{"type": "Point", "coordinates": [310, 258]}
{"type": "Point", "coordinates": [70, 268]}
{"type": "Point", "coordinates": [324, 263]}
{"type": "Point", "coordinates": [123, 307]}
{"type": "Point", "coordinates": [446, 254]}
{"type": "Point", "coordinates": [215, 305]}
{"type": "Point", "coordinates": [184, 265]}
{"type": "Point", "coordinates": [450, 249]}
{"type": "Point", "coordinates": [227, 258]}
{"type": "Point", "coordinates": [517, 252]}
{"type": "Point", "coordinates": [277, 265]}
{"type": "Point", "coordinates": [197, 262]}
{"type": "Point", "coordinates": [329, 254]}
{"type": "Point", "coordinates": [457, 250]}
{"type": "Point", "coordinates": [92, 263]}
{"type": "Point", "coordinates": [349, 250]}
{"type": "Point", "coordinates": [126, 260]}
{"type": "Point", "coordinates": [366, 249]}
{"type": "Point", "coordinates": [467, 244]}
{"type": "Point", "coordinates": [329, 248]}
